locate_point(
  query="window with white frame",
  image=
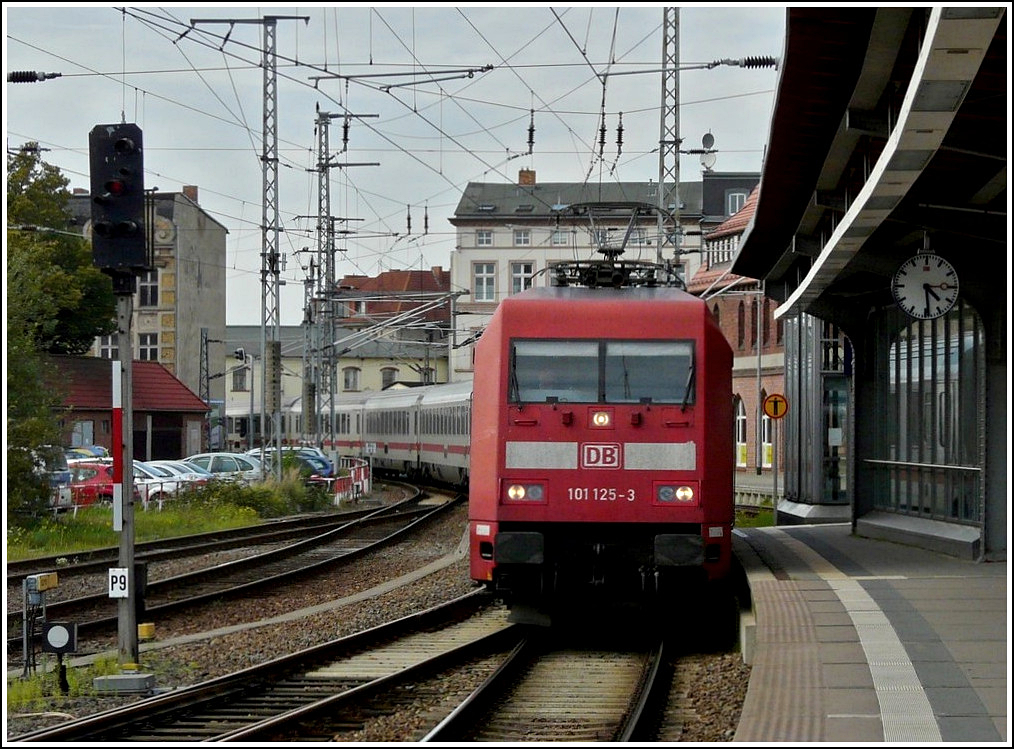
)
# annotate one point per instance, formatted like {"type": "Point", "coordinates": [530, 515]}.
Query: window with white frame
{"type": "Point", "coordinates": [350, 378]}
{"type": "Point", "coordinates": [147, 346]}
{"type": "Point", "coordinates": [740, 433]}
{"type": "Point", "coordinates": [734, 201]}
{"type": "Point", "coordinates": [484, 238]}
{"type": "Point", "coordinates": [559, 238]}
{"type": "Point", "coordinates": [522, 237]}
{"type": "Point", "coordinates": [147, 288]}
{"type": "Point", "coordinates": [239, 379]}
{"type": "Point", "coordinates": [109, 347]}
{"type": "Point", "coordinates": [767, 441]}
{"type": "Point", "coordinates": [484, 282]}
{"type": "Point", "coordinates": [521, 276]}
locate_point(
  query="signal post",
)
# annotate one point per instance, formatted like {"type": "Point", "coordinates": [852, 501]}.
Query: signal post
{"type": "Point", "coordinates": [121, 250]}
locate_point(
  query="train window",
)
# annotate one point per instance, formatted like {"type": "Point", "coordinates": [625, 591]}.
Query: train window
{"type": "Point", "coordinates": [649, 372]}
{"type": "Point", "coordinates": [549, 371]}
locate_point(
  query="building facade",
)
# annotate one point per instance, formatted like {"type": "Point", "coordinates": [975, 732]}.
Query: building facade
{"type": "Point", "coordinates": [509, 236]}
{"type": "Point", "coordinates": [167, 417]}
{"type": "Point", "coordinates": [179, 305]}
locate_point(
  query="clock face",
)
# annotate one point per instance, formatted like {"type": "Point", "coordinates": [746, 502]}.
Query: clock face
{"type": "Point", "coordinates": [925, 286]}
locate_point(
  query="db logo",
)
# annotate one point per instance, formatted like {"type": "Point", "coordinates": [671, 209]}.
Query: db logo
{"type": "Point", "coordinates": [601, 455]}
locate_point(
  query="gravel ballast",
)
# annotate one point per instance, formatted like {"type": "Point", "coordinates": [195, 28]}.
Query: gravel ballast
{"type": "Point", "coordinates": [225, 638]}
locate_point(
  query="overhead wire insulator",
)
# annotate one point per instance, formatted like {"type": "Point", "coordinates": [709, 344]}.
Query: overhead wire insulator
{"type": "Point", "coordinates": [759, 62]}
{"type": "Point", "coordinates": [426, 220]}
{"type": "Point", "coordinates": [602, 137]}
{"type": "Point", "coordinates": [531, 131]}
{"type": "Point", "coordinates": [619, 135]}
{"type": "Point", "coordinates": [345, 134]}
{"type": "Point", "coordinates": [29, 76]}
{"type": "Point", "coordinates": [408, 218]}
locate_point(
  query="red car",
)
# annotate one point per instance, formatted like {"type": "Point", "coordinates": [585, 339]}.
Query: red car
{"type": "Point", "coordinates": [92, 483]}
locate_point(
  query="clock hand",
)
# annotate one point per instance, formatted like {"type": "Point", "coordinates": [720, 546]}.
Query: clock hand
{"type": "Point", "coordinates": [930, 292]}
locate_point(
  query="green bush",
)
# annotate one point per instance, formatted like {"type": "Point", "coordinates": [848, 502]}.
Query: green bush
{"type": "Point", "coordinates": [27, 493]}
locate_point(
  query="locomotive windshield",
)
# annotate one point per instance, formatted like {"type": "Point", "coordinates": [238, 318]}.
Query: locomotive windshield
{"type": "Point", "coordinates": [602, 372]}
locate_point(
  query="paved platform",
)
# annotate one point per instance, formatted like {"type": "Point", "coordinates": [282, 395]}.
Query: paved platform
{"type": "Point", "coordinates": [863, 640]}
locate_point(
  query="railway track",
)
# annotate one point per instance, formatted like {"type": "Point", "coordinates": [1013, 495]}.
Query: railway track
{"type": "Point", "coordinates": [272, 531]}
{"type": "Point", "coordinates": [286, 696]}
{"type": "Point", "coordinates": [550, 693]}
{"type": "Point", "coordinates": [97, 614]}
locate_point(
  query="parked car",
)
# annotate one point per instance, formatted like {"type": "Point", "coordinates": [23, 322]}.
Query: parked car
{"type": "Point", "coordinates": [312, 469]}
{"type": "Point", "coordinates": [156, 484]}
{"type": "Point", "coordinates": [303, 450]}
{"type": "Point", "coordinates": [87, 452]}
{"type": "Point", "coordinates": [192, 476]}
{"type": "Point", "coordinates": [235, 466]}
{"type": "Point", "coordinates": [51, 462]}
{"type": "Point", "coordinates": [92, 483]}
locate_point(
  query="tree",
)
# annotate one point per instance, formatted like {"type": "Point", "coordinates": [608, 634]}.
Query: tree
{"type": "Point", "coordinates": [54, 292]}
{"type": "Point", "coordinates": [32, 408]}
{"type": "Point", "coordinates": [57, 302]}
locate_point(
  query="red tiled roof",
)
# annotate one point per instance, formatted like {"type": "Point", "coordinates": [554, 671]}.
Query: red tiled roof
{"type": "Point", "coordinates": [705, 277]}
{"type": "Point", "coordinates": [88, 384]}
{"type": "Point", "coordinates": [719, 274]}
{"type": "Point", "coordinates": [736, 223]}
{"type": "Point", "coordinates": [394, 282]}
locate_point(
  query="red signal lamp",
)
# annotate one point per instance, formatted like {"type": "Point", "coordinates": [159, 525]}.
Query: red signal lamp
{"type": "Point", "coordinates": [116, 187]}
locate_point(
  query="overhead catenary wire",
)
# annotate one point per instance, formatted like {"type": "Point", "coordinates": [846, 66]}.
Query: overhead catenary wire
{"type": "Point", "coordinates": [454, 96]}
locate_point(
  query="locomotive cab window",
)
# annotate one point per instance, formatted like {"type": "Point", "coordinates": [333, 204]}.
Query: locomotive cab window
{"type": "Point", "coordinates": [648, 372]}
{"type": "Point", "coordinates": [585, 371]}
{"type": "Point", "coordinates": [555, 371]}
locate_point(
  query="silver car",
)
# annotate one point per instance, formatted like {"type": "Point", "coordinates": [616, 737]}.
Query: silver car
{"type": "Point", "coordinates": [235, 466]}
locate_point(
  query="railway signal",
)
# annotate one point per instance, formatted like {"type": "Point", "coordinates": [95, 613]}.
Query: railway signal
{"type": "Point", "coordinates": [116, 159]}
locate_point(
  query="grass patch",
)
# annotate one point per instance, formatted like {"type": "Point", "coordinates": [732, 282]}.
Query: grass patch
{"type": "Point", "coordinates": [218, 506]}
{"type": "Point", "coordinates": [41, 691]}
{"type": "Point", "coordinates": [760, 518]}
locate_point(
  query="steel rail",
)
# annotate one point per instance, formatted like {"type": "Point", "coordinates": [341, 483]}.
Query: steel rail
{"type": "Point", "coordinates": [238, 577]}
{"type": "Point", "coordinates": [219, 708]}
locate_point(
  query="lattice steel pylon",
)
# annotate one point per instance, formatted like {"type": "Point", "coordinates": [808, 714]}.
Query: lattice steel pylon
{"type": "Point", "coordinates": [322, 305]}
{"type": "Point", "coordinates": [271, 381]}
{"type": "Point", "coordinates": [271, 360]}
{"type": "Point", "coordinates": [669, 228]}
{"type": "Point", "coordinates": [325, 362]}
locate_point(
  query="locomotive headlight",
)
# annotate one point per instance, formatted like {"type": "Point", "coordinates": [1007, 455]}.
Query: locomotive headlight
{"type": "Point", "coordinates": [682, 494]}
{"type": "Point", "coordinates": [601, 418]}
{"type": "Point", "coordinates": [525, 492]}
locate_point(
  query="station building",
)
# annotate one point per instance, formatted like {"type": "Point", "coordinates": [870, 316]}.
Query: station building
{"type": "Point", "coordinates": [884, 190]}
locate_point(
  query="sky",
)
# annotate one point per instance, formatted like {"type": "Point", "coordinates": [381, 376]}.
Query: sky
{"type": "Point", "coordinates": [439, 96]}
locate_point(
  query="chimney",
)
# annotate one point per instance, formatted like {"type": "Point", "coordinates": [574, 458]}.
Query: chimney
{"type": "Point", "coordinates": [190, 191]}
{"type": "Point", "coordinates": [526, 177]}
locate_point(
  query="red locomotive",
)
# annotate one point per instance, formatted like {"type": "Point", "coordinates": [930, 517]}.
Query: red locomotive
{"type": "Point", "coordinates": [601, 441]}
